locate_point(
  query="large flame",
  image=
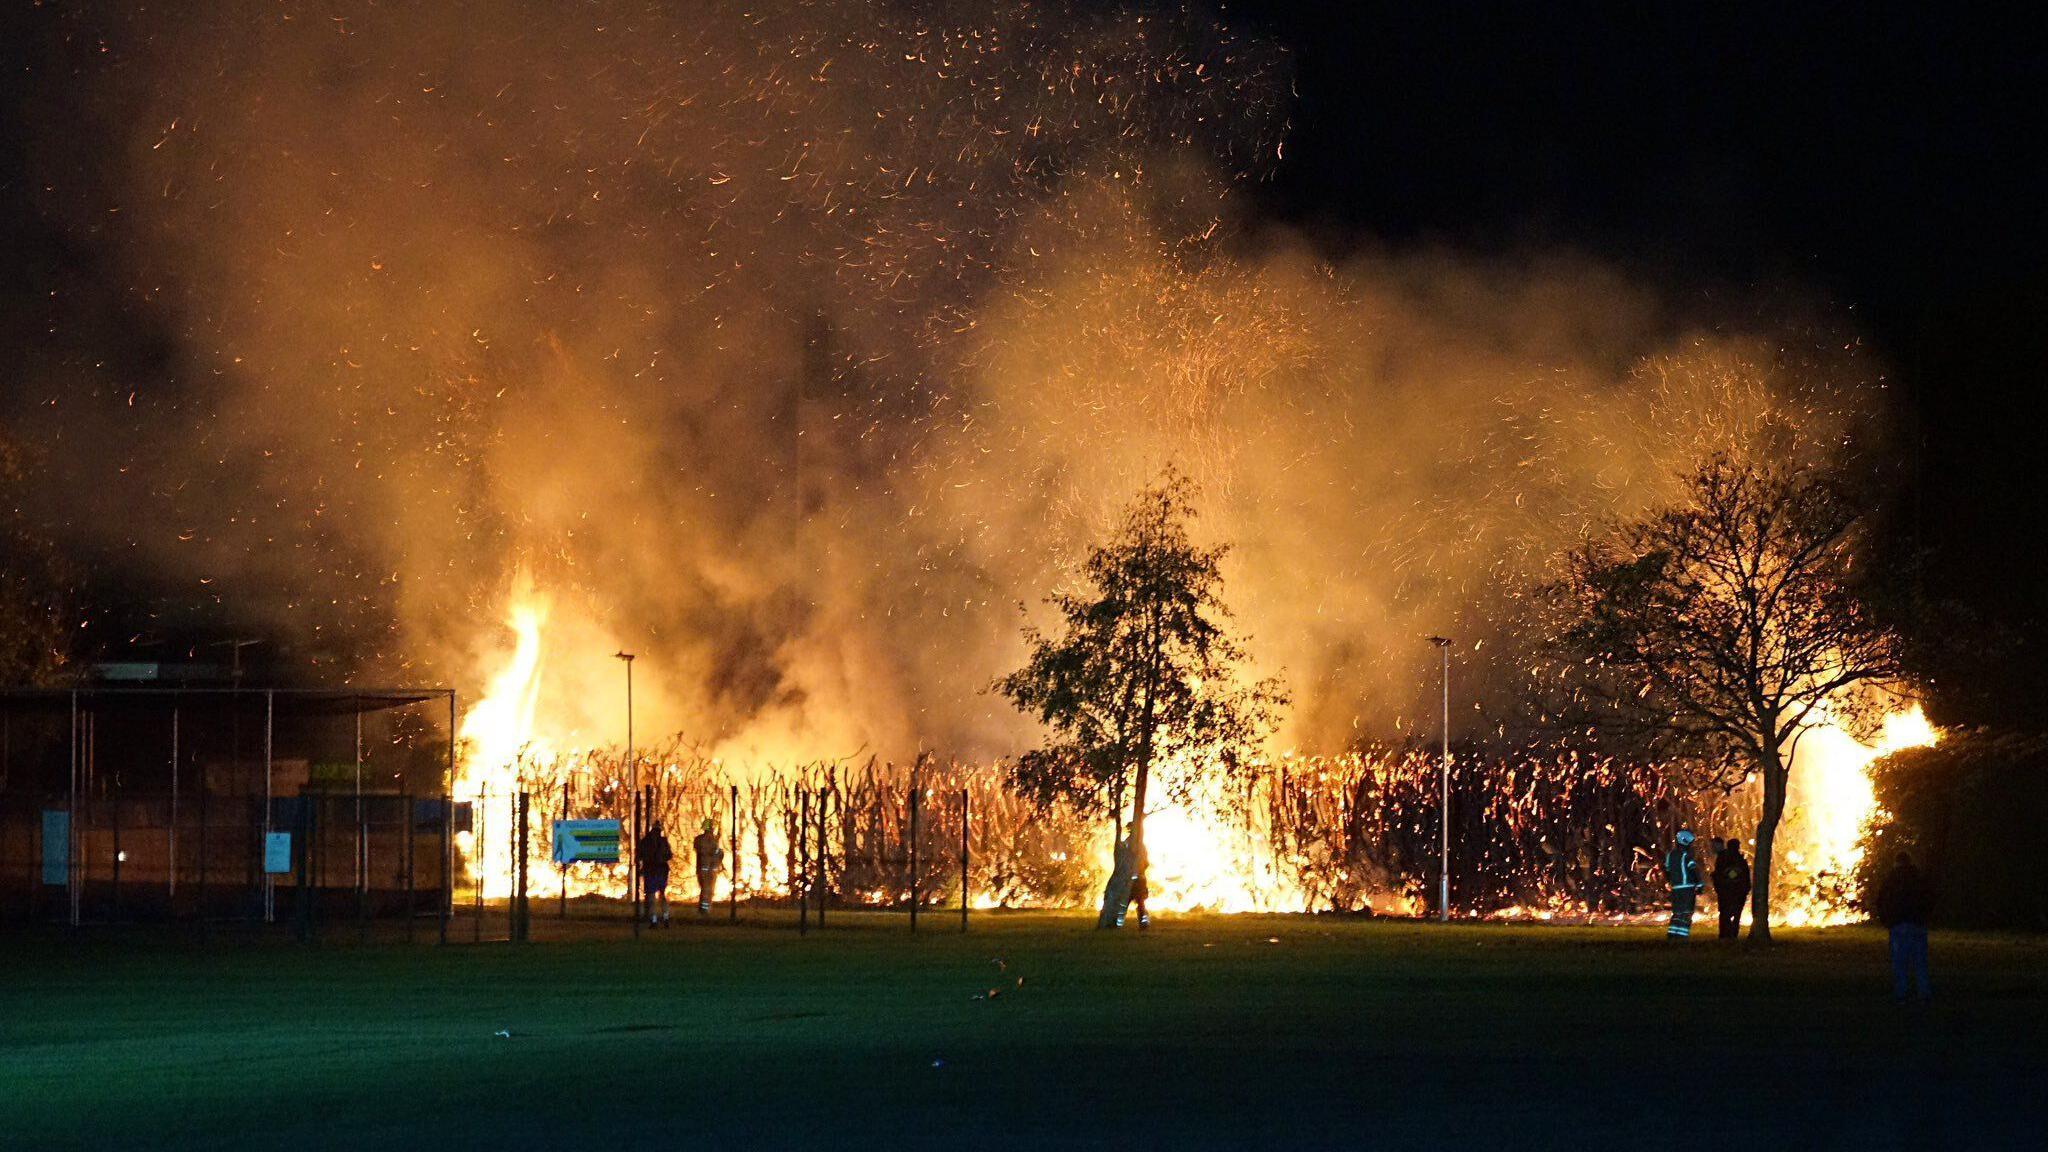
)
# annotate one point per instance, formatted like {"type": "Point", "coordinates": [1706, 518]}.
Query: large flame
{"type": "Point", "coordinates": [496, 736]}
{"type": "Point", "coordinates": [500, 727]}
{"type": "Point", "coordinates": [1192, 864]}
{"type": "Point", "coordinates": [1829, 808]}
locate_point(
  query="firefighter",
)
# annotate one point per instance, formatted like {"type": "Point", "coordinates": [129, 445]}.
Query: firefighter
{"type": "Point", "coordinates": [1682, 869]}
{"type": "Point", "coordinates": [710, 858]}
{"type": "Point", "coordinates": [1731, 887]}
{"type": "Point", "coordinates": [1126, 886]}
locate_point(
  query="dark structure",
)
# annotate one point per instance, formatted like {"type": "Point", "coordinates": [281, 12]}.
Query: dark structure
{"type": "Point", "coordinates": [151, 796]}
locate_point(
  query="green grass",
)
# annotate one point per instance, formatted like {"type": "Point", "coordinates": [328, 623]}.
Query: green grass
{"type": "Point", "coordinates": [1203, 1033]}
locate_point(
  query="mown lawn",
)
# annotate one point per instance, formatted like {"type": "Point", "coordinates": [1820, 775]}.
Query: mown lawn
{"type": "Point", "coordinates": [1203, 1033]}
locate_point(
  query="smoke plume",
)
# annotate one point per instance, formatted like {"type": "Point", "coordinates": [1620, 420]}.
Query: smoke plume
{"type": "Point", "coordinates": [793, 347]}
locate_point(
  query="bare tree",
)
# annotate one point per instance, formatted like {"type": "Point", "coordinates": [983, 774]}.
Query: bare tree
{"type": "Point", "coordinates": [1142, 672]}
{"type": "Point", "coordinates": [1731, 625]}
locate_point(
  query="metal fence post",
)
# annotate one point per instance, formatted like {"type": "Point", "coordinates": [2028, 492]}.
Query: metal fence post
{"type": "Point", "coordinates": [302, 887]}
{"type": "Point", "coordinates": [916, 801]}
{"type": "Point", "coordinates": [171, 848]}
{"type": "Point", "coordinates": [478, 810]}
{"type": "Point", "coordinates": [966, 817]}
{"type": "Point", "coordinates": [800, 876]}
{"type": "Point", "coordinates": [633, 865]}
{"type": "Point", "coordinates": [447, 863]}
{"type": "Point", "coordinates": [447, 825]}
{"type": "Point", "coordinates": [406, 855]}
{"type": "Point", "coordinates": [732, 876]}
{"type": "Point", "coordinates": [362, 837]}
{"type": "Point", "coordinates": [118, 854]}
{"type": "Point", "coordinates": [71, 837]}
{"type": "Point", "coordinates": [519, 845]}
{"type": "Point", "coordinates": [262, 841]}
{"type": "Point", "coordinates": [205, 821]}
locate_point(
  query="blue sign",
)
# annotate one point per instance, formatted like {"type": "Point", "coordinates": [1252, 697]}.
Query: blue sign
{"type": "Point", "coordinates": [586, 841]}
{"type": "Point", "coordinates": [277, 852]}
{"type": "Point", "coordinates": [56, 846]}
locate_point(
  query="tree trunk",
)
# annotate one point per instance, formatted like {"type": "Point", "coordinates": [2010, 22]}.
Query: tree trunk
{"type": "Point", "coordinates": [1129, 868]}
{"type": "Point", "coordinates": [1138, 789]}
{"type": "Point", "coordinates": [1116, 892]}
{"type": "Point", "coordinates": [1775, 775]}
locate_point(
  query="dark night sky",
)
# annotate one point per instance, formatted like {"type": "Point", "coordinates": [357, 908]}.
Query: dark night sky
{"type": "Point", "coordinates": [1877, 155]}
{"type": "Point", "coordinates": [1881, 155]}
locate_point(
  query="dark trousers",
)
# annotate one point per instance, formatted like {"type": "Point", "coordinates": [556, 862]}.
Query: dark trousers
{"type": "Point", "coordinates": [1730, 903]}
{"type": "Point", "coordinates": [1909, 960]}
{"type": "Point", "coordinates": [1682, 902]}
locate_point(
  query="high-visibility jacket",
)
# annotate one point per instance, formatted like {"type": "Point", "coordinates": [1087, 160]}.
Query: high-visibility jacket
{"type": "Point", "coordinates": [1682, 868]}
{"type": "Point", "coordinates": [710, 853]}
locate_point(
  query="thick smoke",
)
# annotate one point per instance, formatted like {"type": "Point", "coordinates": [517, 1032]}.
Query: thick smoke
{"type": "Point", "coordinates": [794, 347]}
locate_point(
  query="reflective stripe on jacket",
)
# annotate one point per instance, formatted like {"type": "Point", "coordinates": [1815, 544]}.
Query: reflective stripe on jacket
{"type": "Point", "coordinates": [1682, 868]}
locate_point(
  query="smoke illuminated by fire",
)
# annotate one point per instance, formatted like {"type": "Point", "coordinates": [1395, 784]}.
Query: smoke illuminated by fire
{"type": "Point", "coordinates": [794, 345]}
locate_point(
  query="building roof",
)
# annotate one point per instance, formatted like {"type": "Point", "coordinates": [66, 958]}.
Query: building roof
{"type": "Point", "coordinates": [285, 701]}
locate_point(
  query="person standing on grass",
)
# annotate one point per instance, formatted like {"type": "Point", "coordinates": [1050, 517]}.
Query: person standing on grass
{"type": "Point", "coordinates": [1682, 869]}
{"type": "Point", "coordinates": [1904, 900]}
{"type": "Point", "coordinates": [1731, 886]}
{"type": "Point", "coordinates": [710, 858]}
{"type": "Point", "coordinates": [655, 854]}
{"type": "Point", "coordinates": [1126, 886]}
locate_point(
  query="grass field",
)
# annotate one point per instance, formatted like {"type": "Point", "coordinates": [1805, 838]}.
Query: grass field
{"type": "Point", "coordinates": [1203, 1033]}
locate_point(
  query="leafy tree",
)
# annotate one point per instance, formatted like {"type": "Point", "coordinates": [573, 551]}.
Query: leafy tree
{"type": "Point", "coordinates": [1968, 808]}
{"type": "Point", "coordinates": [1141, 673]}
{"type": "Point", "coordinates": [1731, 624]}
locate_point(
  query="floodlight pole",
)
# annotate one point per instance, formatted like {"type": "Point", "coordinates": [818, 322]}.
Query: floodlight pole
{"type": "Point", "coordinates": [1443, 900]}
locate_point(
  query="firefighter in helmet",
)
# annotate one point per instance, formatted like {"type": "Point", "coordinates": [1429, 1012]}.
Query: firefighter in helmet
{"type": "Point", "coordinates": [710, 861]}
{"type": "Point", "coordinates": [1682, 869]}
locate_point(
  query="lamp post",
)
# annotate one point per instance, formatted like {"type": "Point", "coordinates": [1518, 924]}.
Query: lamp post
{"type": "Point", "coordinates": [632, 765]}
{"type": "Point", "coordinates": [633, 781]}
{"type": "Point", "coordinates": [1443, 899]}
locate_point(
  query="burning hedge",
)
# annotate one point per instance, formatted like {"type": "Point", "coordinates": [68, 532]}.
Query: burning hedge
{"type": "Point", "coordinates": [1536, 834]}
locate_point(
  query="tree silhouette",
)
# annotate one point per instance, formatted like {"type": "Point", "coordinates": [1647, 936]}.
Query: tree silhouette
{"type": "Point", "coordinates": [1731, 625]}
{"type": "Point", "coordinates": [1141, 673]}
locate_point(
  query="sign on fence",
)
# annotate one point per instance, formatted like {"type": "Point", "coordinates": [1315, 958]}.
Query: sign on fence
{"type": "Point", "coordinates": [586, 841]}
{"type": "Point", "coordinates": [277, 852]}
{"type": "Point", "coordinates": [56, 846]}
